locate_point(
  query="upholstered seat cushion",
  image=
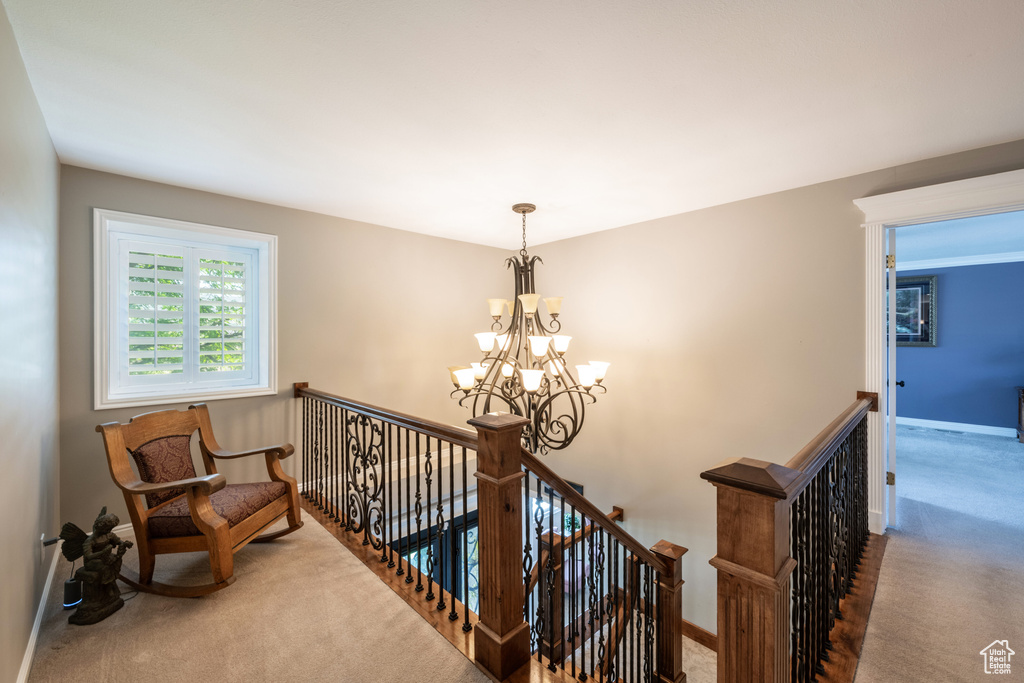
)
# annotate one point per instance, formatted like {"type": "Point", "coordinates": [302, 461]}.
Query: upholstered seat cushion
{"type": "Point", "coordinates": [234, 502]}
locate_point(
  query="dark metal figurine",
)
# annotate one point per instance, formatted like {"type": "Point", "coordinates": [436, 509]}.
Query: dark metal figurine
{"type": "Point", "coordinates": [102, 552]}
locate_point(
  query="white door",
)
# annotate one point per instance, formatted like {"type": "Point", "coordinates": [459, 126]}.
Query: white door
{"type": "Point", "coordinates": [890, 385]}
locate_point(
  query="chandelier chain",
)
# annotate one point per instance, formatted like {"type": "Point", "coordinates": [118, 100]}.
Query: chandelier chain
{"type": "Point", "coordinates": [522, 252]}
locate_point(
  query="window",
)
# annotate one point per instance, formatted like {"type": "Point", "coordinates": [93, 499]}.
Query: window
{"type": "Point", "coordinates": [184, 311]}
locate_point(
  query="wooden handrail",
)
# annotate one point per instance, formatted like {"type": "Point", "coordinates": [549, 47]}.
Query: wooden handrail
{"type": "Point", "coordinates": [786, 481]}
{"type": "Point", "coordinates": [457, 436]}
{"type": "Point", "coordinates": [809, 458]}
{"type": "Point", "coordinates": [571, 495]}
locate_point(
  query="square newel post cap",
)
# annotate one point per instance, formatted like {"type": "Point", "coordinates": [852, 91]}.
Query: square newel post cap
{"type": "Point", "coordinates": [757, 476]}
{"type": "Point", "coordinates": [499, 422]}
{"type": "Point", "coordinates": [668, 550]}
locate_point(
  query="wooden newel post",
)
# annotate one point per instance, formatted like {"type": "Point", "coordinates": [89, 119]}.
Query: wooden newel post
{"type": "Point", "coordinates": [754, 568]}
{"type": "Point", "coordinates": [669, 647]}
{"type": "Point", "coordinates": [502, 637]}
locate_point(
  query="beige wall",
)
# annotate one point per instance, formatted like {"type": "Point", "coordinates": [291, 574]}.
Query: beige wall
{"type": "Point", "coordinates": [29, 175]}
{"type": "Point", "coordinates": [733, 331]}
{"type": "Point", "coordinates": [367, 312]}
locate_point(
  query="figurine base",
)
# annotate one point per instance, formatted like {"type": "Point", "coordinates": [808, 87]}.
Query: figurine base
{"type": "Point", "coordinates": [92, 615]}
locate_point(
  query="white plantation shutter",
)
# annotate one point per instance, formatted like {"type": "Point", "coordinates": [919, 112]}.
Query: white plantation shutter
{"type": "Point", "coordinates": [223, 313]}
{"type": "Point", "coordinates": [186, 311]}
{"type": "Point", "coordinates": [153, 284]}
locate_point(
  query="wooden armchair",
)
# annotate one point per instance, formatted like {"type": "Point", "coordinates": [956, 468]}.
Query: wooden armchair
{"type": "Point", "coordinates": [183, 512]}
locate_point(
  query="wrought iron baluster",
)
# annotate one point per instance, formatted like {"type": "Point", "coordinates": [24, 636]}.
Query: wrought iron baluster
{"type": "Point", "coordinates": [305, 446]}
{"type": "Point", "coordinates": [601, 597]}
{"type": "Point", "coordinates": [346, 463]}
{"type": "Point", "coordinates": [549, 580]}
{"type": "Point", "coordinates": [592, 598]}
{"type": "Point", "coordinates": [407, 556]}
{"type": "Point", "coordinates": [329, 463]}
{"type": "Point", "coordinates": [574, 631]}
{"type": "Point", "coordinates": [385, 497]}
{"type": "Point", "coordinates": [389, 517]}
{"type": "Point", "coordinates": [527, 557]}
{"type": "Point", "coordinates": [538, 516]}
{"type": "Point", "coordinates": [613, 661]}
{"type": "Point", "coordinates": [419, 516]}
{"type": "Point", "coordinates": [332, 439]}
{"type": "Point", "coordinates": [466, 626]}
{"type": "Point", "coordinates": [821, 481]}
{"type": "Point", "coordinates": [428, 471]}
{"type": "Point", "coordinates": [453, 537]}
{"type": "Point", "coordinates": [318, 436]}
{"type": "Point", "coordinates": [442, 534]}
{"type": "Point", "coordinates": [648, 626]}
{"type": "Point", "coordinates": [635, 610]}
{"type": "Point", "coordinates": [831, 573]}
{"type": "Point", "coordinates": [398, 486]}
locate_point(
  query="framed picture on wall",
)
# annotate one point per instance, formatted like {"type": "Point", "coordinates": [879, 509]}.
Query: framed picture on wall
{"type": "Point", "coordinates": [916, 308]}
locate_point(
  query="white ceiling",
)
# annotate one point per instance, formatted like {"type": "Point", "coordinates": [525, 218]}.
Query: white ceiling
{"type": "Point", "coordinates": [437, 116]}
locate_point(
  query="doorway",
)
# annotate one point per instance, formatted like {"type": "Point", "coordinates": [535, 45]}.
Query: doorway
{"type": "Point", "coordinates": [993, 194]}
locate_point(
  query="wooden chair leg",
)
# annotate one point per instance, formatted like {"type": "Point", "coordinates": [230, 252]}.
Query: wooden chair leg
{"type": "Point", "coordinates": [218, 535]}
{"type": "Point", "coordinates": [294, 511]}
{"type": "Point", "coordinates": [222, 558]}
{"type": "Point", "coordinates": [147, 563]}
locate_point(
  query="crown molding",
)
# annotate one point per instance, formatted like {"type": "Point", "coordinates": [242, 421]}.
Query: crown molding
{"type": "Point", "coordinates": [996, 193]}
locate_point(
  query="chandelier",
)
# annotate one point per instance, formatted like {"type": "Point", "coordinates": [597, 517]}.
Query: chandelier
{"type": "Point", "coordinates": [523, 369]}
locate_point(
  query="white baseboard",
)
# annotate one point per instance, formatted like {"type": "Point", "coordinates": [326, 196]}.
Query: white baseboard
{"type": "Point", "coordinates": [957, 426]}
{"type": "Point", "coordinates": [876, 522]}
{"type": "Point", "coordinates": [128, 529]}
{"type": "Point", "coordinates": [30, 649]}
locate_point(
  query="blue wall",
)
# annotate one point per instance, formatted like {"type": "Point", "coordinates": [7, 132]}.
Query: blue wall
{"type": "Point", "coordinates": [971, 375]}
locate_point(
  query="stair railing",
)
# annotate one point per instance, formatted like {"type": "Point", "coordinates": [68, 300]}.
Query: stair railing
{"type": "Point", "coordinates": [790, 540]}
{"type": "Point", "coordinates": [600, 604]}
{"type": "Point", "coordinates": [469, 518]}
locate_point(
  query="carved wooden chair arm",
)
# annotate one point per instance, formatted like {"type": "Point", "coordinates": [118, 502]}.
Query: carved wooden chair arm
{"type": "Point", "coordinates": [281, 451]}
{"type": "Point", "coordinates": [205, 485]}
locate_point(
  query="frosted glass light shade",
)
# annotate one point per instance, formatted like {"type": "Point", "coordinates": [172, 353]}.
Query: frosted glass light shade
{"type": "Point", "coordinates": [479, 370]}
{"type": "Point", "coordinates": [502, 340]}
{"type": "Point", "coordinates": [529, 302]}
{"type": "Point", "coordinates": [531, 379]}
{"type": "Point", "coordinates": [511, 307]}
{"type": "Point", "coordinates": [539, 345]}
{"type": "Point", "coordinates": [555, 368]}
{"type": "Point", "coordinates": [497, 307]}
{"type": "Point", "coordinates": [452, 369]}
{"type": "Point", "coordinates": [561, 343]}
{"type": "Point", "coordinates": [507, 369]}
{"type": "Point", "coordinates": [465, 377]}
{"type": "Point", "coordinates": [600, 368]}
{"type": "Point", "coordinates": [486, 339]}
{"type": "Point", "coordinates": [554, 304]}
{"type": "Point", "coordinates": [585, 374]}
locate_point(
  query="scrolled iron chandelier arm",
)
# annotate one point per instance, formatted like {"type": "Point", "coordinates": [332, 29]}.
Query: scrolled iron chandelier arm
{"type": "Point", "coordinates": [523, 365]}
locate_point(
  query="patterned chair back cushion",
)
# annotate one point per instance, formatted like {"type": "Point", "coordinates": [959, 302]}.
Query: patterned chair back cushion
{"type": "Point", "coordinates": [161, 460]}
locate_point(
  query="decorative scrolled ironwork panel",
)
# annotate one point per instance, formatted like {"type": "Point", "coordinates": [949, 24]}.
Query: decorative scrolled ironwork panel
{"type": "Point", "coordinates": [364, 441]}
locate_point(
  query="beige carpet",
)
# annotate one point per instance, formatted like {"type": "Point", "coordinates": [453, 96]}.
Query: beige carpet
{"type": "Point", "coordinates": [301, 609]}
{"type": "Point", "coordinates": [952, 580]}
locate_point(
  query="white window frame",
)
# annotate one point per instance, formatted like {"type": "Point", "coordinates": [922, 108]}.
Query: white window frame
{"type": "Point", "coordinates": [113, 228]}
